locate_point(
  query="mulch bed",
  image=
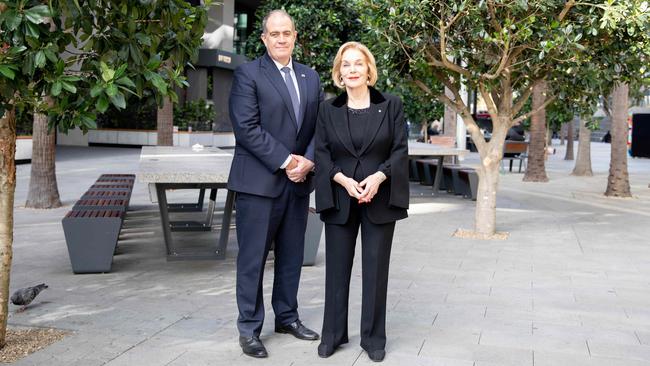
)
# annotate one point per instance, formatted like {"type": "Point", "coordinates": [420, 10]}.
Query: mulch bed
{"type": "Point", "coordinates": [24, 341]}
{"type": "Point", "coordinates": [470, 234]}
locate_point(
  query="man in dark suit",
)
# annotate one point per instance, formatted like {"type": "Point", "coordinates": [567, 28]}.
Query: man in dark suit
{"type": "Point", "coordinates": [273, 108]}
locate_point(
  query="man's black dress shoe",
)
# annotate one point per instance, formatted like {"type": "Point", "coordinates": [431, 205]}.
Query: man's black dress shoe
{"type": "Point", "coordinates": [325, 350]}
{"type": "Point", "coordinates": [252, 346]}
{"type": "Point", "coordinates": [297, 330]}
{"type": "Point", "coordinates": [377, 355]}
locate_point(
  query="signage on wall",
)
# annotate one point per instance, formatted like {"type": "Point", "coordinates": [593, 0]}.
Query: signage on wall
{"type": "Point", "coordinates": [219, 58]}
{"type": "Point", "coordinates": [224, 59]}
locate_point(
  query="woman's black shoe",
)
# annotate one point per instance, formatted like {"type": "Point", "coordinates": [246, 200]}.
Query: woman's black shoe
{"type": "Point", "coordinates": [377, 355]}
{"type": "Point", "coordinates": [325, 350]}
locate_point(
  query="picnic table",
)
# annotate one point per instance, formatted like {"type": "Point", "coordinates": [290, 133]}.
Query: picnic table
{"type": "Point", "coordinates": [175, 167]}
{"type": "Point", "coordinates": [420, 150]}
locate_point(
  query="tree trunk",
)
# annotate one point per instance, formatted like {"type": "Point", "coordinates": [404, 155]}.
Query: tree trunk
{"type": "Point", "coordinates": [618, 183]}
{"type": "Point", "coordinates": [7, 190]}
{"type": "Point", "coordinates": [43, 190]}
{"type": "Point", "coordinates": [562, 134]}
{"type": "Point", "coordinates": [583, 162]}
{"type": "Point", "coordinates": [486, 202]}
{"type": "Point", "coordinates": [536, 170]}
{"type": "Point", "coordinates": [569, 141]}
{"type": "Point", "coordinates": [165, 123]}
{"type": "Point", "coordinates": [449, 119]}
{"type": "Point", "coordinates": [488, 182]}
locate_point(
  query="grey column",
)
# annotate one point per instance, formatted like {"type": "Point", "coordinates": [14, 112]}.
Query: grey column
{"type": "Point", "coordinates": [198, 80]}
{"type": "Point", "coordinates": [221, 84]}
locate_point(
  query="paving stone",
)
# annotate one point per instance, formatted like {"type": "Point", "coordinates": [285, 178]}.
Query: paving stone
{"type": "Point", "coordinates": [564, 289]}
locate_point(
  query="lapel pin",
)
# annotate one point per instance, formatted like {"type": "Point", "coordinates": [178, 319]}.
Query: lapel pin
{"type": "Point", "coordinates": [302, 75]}
{"type": "Point", "coordinates": [380, 111]}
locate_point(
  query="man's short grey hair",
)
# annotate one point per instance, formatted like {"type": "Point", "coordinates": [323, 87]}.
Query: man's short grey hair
{"type": "Point", "coordinates": [277, 12]}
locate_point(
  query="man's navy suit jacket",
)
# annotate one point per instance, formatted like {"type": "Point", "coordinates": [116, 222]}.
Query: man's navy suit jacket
{"type": "Point", "coordinates": [266, 129]}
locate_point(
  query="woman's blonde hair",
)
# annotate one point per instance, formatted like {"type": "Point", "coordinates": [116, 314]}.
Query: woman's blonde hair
{"type": "Point", "coordinates": [370, 60]}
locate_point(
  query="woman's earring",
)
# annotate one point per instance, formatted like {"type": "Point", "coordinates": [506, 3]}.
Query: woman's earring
{"type": "Point", "coordinates": [342, 83]}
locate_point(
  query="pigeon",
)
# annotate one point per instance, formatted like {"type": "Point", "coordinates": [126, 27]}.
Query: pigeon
{"type": "Point", "coordinates": [25, 296]}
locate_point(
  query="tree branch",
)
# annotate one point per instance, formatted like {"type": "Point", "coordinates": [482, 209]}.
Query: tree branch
{"type": "Point", "coordinates": [569, 4]}
{"type": "Point", "coordinates": [463, 111]}
{"type": "Point", "coordinates": [443, 53]}
{"type": "Point", "coordinates": [493, 16]}
{"type": "Point", "coordinates": [489, 101]}
{"type": "Point", "coordinates": [505, 58]}
{"type": "Point", "coordinates": [422, 86]}
{"type": "Point", "coordinates": [521, 102]}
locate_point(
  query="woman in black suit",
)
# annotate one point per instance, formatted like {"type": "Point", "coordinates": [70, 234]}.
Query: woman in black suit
{"type": "Point", "coordinates": [361, 157]}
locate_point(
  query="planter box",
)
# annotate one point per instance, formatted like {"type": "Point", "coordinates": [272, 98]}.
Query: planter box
{"type": "Point", "coordinates": [141, 138]}
{"type": "Point", "coordinates": [223, 139]}
{"type": "Point", "coordinates": [23, 148]}
{"type": "Point", "coordinates": [74, 137]}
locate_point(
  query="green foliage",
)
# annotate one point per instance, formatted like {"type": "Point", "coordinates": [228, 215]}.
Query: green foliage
{"type": "Point", "coordinates": [559, 112]}
{"type": "Point", "coordinates": [24, 122]}
{"type": "Point", "coordinates": [323, 26]}
{"type": "Point", "coordinates": [115, 48]}
{"type": "Point", "coordinates": [196, 114]}
{"type": "Point", "coordinates": [138, 116]}
{"type": "Point", "coordinates": [419, 106]}
{"type": "Point", "coordinates": [616, 48]}
{"type": "Point", "coordinates": [142, 116]}
{"type": "Point", "coordinates": [506, 46]}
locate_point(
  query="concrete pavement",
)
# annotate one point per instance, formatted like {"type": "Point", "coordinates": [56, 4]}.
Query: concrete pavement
{"type": "Point", "coordinates": [571, 286]}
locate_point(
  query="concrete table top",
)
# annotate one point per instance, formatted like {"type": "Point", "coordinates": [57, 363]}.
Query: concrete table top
{"type": "Point", "coordinates": [172, 164]}
{"type": "Point", "coordinates": [423, 149]}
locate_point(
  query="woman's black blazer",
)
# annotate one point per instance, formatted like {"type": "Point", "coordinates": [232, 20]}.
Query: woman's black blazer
{"type": "Point", "coordinates": [384, 148]}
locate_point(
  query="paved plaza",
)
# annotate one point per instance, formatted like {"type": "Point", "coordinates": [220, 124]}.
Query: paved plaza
{"type": "Point", "coordinates": [571, 286]}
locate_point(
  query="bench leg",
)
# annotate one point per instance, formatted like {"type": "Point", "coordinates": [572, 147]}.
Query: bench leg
{"type": "Point", "coordinates": [225, 225]}
{"type": "Point", "coordinates": [164, 218]}
{"type": "Point", "coordinates": [438, 177]}
{"type": "Point", "coordinates": [211, 204]}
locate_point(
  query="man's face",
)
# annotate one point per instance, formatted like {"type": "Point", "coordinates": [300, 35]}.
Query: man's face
{"type": "Point", "coordinates": [279, 38]}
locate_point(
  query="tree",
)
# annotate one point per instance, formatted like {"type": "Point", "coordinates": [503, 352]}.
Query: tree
{"type": "Point", "coordinates": [570, 138]}
{"type": "Point", "coordinates": [615, 58]}
{"type": "Point", "coordinates": [323, 26]}
{"type": "Point", "coordinates": [107, 37]}
{"type": "Point", "coordinates": [491, 46]}
{"type": "Point", "coordinates": [43, 190]}
{"type": "Point", "coordinates": [623, 64]}
{"type": "Point", "coordinates": [561, 113]}
{"type": "Point", "coordinates": [149, 29]}
{"type": "Point", "coordinates": [618, 181]}
{"type": "Point", "coordinates": [583, 160]}
{"type": "Point", "coordinates": [503, 49]}
{"type": "Point", "coordinates": [536, 170]}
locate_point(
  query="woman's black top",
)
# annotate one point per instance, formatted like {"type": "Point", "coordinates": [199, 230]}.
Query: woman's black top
{"type": "Point", "coordinates": [358, 124]}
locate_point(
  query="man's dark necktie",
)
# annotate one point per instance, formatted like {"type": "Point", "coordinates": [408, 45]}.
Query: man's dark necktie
{"type": "Point", "coordinates": [293, 93]}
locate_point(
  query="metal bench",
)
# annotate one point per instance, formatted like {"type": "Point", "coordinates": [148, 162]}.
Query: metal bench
{"type": "Point", "coordinates": [92, 227]}
{"type": "Point", "coordinates": [427, 171]}
{"type": "Point", "coordinates": [450, 177]}
{"type": "Point", "coordinates": [91, 236]}
{"type": "Point", "coordinates": [515, 150]}
{"type": "Point", "coordinates": [468, 181]}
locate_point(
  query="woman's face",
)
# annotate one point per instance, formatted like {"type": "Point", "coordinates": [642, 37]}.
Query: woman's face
{"type": "Point", "coordinates": [354, 68]}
